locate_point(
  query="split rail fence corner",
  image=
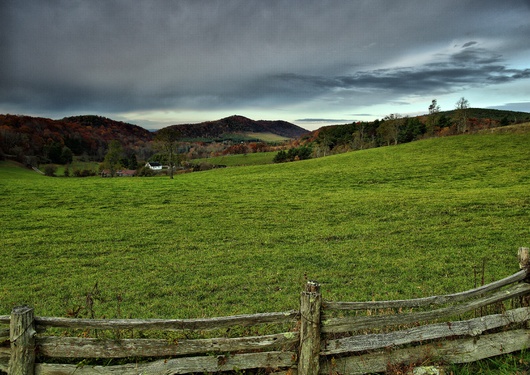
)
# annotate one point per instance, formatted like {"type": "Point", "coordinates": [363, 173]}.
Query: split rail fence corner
{"type": "Point", "coordinates": [323, 337]}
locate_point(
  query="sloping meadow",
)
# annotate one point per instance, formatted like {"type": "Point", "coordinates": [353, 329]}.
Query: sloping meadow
{"type": "Point", "coordinates": [429, 217]}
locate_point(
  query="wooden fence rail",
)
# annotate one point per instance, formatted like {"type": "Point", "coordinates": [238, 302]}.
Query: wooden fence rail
{"type": "Point", "coordinates": [275, 351]}
{"type": "Point", "coordinates": [322, 337]}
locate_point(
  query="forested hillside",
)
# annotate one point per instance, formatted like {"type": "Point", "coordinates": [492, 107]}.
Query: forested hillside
{"type": "Point", "coordinates": [33, 140]}
{"type": "Point", "coordinates": [394, 129]}
{"type": "Point", "coordinates": [227, 127]}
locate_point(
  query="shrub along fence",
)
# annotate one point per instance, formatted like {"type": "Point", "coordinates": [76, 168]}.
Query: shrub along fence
{"type": "Point", "coordinates": [323, 337]}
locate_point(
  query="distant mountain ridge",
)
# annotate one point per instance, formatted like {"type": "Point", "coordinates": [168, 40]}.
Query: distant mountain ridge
{"type": "Point", "coordinates": [29, 139]}
{"type": "Point", "coordinates": [239, 124]}
{"type": "Point", "coordinates": [42, 139]}
{"type": "Point", "coordinates": [100, 122]}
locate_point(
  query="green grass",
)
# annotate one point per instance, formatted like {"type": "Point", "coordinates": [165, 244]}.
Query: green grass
{"type": "Point", "coordinates": [509, 364]}
{"type": "Point", "coordinates": [75, 165]}
{"type": "Point", "coordinates": [394, 222]}
{"type": "Point", "coordinates": [267, 137]}
{"type": "Point", "coordinates": [14, 171]}
{"type": "Point", "coordinates": [258, 158]}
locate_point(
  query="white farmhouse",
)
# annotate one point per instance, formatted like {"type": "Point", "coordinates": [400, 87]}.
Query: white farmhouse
{"type": "Point", "coordinates": [155, 166]}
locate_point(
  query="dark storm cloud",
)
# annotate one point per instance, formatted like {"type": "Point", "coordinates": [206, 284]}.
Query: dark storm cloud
{"type": "Point", "coordinates": [469, 44]}
{"type": "Point", "coordinates": [122, 56]}
{"type": "Point", "coordinates": [472, 67]}
{"type": "Point", "coordinates": [475, 56]}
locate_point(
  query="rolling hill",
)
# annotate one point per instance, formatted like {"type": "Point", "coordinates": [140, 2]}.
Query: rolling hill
{"type": "Point", "coordinates": [35, 139]}
{"type": "Point", "coordinates": [502, 116]}
{"type": "Point", "coordinates": [242, 126]}
{"type": "Point", "coordinates": [32, 140]}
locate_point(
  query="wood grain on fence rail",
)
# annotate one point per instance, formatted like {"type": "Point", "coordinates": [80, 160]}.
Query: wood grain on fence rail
{"type": "Point", "coordinates": [473, 327]}
{"type": "Point", "coordinates": [4, 335]}
{"type": "Point", "coordinates": [73, 347]}
{"type": "Point", "coordinates": [354, 323]}
{"type": "Point", "coordinates": [169, 324]}
{"type": "Point", "coordinates": [462, 350]}
{"type": "Point", "coordinates": [275, 350]}
{"type": "Point", "coordinates": [271, 360]}
{"type": "Point", "coordinates": [427, 301]}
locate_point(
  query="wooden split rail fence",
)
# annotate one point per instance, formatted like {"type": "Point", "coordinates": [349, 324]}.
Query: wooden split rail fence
{"type": "Point", "coordinates": [323, 337]}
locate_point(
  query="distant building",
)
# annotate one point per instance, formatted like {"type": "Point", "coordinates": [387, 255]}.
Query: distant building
{"type": "Point", "coordinates": [155, 166]}
{"type": "Point", "coordinates": [126, 173]}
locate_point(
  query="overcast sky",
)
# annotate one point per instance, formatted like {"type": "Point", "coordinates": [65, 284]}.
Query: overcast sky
{"type": "Point", "coordinates": [156, 63]}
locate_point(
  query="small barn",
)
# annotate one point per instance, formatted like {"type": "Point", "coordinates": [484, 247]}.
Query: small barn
{"type": "Point", "coordinates": [126, 173]}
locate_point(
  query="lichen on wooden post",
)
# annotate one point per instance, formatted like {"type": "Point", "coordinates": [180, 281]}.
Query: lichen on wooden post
{"type": "Point", "coordinates": [523, 257]}
{"type": "Point", "coordinates": [310, 305]}
{"type": "Point", "coordinates": [22, 337]}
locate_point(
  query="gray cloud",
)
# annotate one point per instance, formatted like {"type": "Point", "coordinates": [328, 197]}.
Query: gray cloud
{"type": "Point", "coordinates": [112, 56]}
{"type": "Point", "coordinates": [475, 67]}
{"type": "Point", "coordinates": [469, 44]}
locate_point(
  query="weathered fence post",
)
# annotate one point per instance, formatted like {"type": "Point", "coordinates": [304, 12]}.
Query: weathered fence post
{"type": "Point", "coordinates": [523, 257]}
{"type": "Point", "coordinates": [310, 304]}
{"type": "Point", "coordinates": [22, 337]}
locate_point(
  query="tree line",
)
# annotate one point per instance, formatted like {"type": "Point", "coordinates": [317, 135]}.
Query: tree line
{"type": "Point", "coordinates": [117, 145]}
{"type": "Point", "coordinates": [395, 129]}
{"type": "Point", "coordinates": [34, 141]}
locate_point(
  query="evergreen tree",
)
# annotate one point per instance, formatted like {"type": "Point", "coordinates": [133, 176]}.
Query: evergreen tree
{"type": "Point", "coordinates": [133, 161]}
{"type": "Point", "coordinates": [280, 157]}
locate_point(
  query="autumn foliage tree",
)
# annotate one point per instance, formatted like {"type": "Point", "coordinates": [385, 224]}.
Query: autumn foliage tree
{"type": "Point", "coordinates": [168, 139]}
{"type": "Point", "coordinates": [45, 140]}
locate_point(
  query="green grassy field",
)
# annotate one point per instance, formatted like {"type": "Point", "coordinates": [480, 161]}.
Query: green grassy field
{"type": "Point", "coordinates": [267, 137]}
{"type": "Point", "coordinates": [258, 158]}
{"type": "Point", "coordinates": [394, 222]}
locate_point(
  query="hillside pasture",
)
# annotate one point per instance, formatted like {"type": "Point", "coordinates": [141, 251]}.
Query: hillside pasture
{"type": "Point", "coordinates": [267, 137]}
{"type": "Point", "coordinates": [389, 223]}
{"type": "Point", "coordinates": [257, 158]}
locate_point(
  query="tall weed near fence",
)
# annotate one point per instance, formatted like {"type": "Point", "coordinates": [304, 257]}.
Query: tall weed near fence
{"type": "Point", "coordinates": [244, 240]}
